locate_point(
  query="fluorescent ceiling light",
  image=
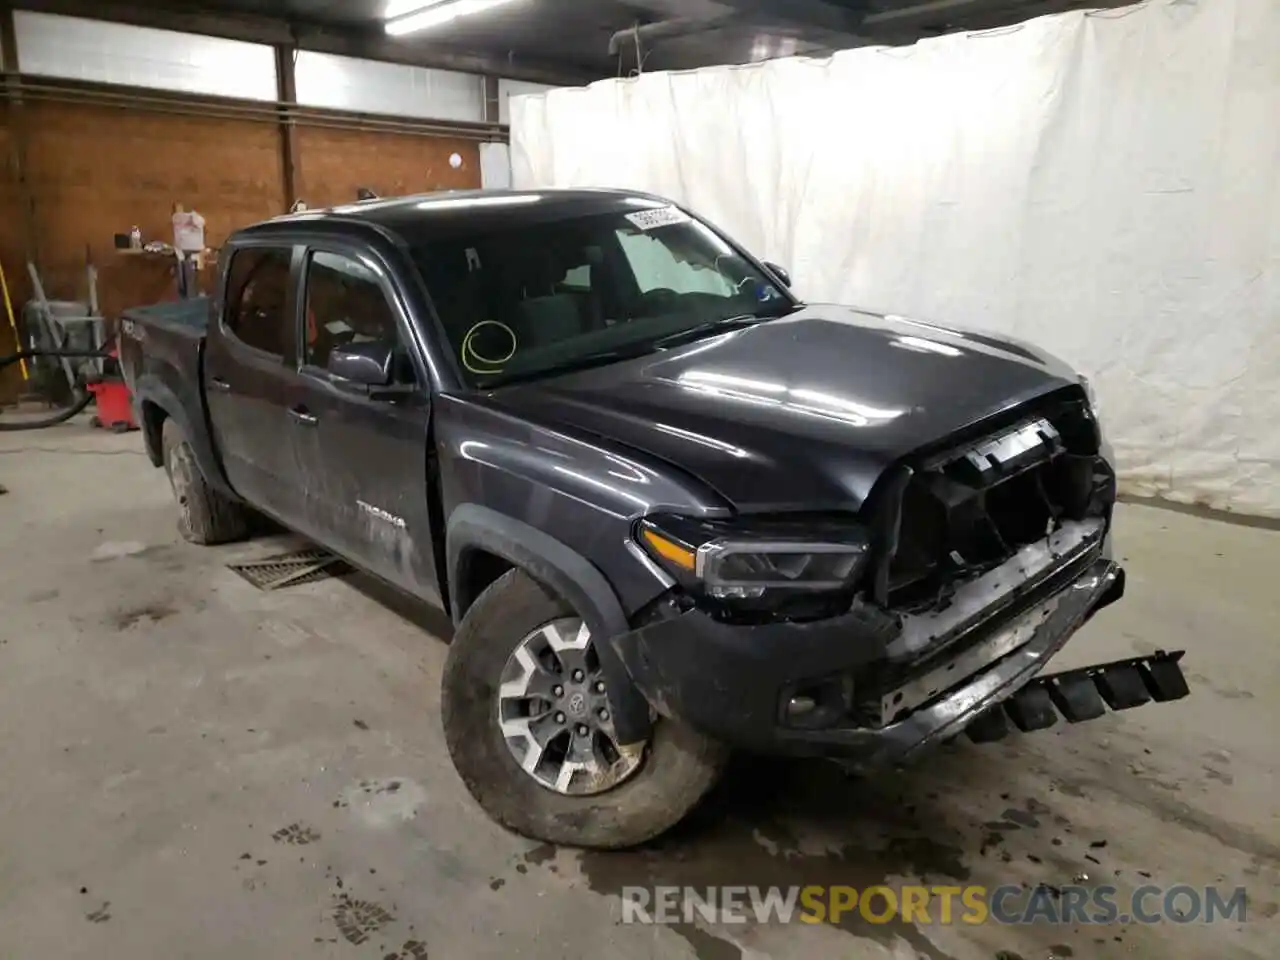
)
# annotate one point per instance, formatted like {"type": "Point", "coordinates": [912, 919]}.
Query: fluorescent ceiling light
{"type": "Point", "coordinates": [398, 8]}
{"type": "Point", "coordinates": [432, 14]}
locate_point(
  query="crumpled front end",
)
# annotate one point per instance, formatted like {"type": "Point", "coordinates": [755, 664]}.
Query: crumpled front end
{"type": "Point", "coordinates": [987, 555]}
{"type": "Point", "coordinates": [825, 688]}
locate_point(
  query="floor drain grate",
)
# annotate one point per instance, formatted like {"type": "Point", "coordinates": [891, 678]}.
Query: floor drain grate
{"type": "Point", "coordinates": [291, 569]}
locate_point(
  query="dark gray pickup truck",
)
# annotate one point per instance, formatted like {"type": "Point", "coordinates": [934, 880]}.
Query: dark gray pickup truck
{"type": "Point", "coordinates": [670, 508]}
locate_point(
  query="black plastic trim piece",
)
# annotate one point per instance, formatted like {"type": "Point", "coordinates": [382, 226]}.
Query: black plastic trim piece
{"type": "Point", "coordinates": [1079, 694]}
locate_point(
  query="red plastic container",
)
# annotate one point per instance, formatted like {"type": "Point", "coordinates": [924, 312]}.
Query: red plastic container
{"type": "Point", "coordinates": [115, 405]}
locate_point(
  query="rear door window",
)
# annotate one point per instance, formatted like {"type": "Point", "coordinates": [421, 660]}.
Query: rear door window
{"type": "Point", "coordinates": [258, 298]}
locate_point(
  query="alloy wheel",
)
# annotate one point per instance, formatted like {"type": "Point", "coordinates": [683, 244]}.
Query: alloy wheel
{"type": "Point", "coordinates": [553, 711]}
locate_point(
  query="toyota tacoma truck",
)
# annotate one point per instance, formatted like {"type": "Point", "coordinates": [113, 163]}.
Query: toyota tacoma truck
{"type": "Point", "coordinates": [670, 508]}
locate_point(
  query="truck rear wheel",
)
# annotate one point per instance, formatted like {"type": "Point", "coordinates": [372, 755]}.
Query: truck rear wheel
{"type": "Point", "coordinates": [205, 516]}
{"type": "Point", "coordinates": [526, 721]}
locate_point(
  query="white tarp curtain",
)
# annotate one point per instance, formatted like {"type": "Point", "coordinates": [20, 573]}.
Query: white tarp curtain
{"type": "Point", "coordinates": [1106, 185]}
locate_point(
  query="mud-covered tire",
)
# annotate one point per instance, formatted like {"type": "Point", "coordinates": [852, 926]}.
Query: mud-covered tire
{"type": "Point", "coordinates": [205, 516]}
{"type": "Point", "coordinates": [679, 768]}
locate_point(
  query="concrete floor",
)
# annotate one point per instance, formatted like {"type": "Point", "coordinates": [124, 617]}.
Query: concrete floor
{"type": "Point", "coordinates": [193, 768]}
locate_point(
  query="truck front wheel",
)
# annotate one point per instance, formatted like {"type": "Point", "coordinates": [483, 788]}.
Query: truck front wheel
{"type": "Point", "coordinates": [205, 516]}
{"type": "Point", "coordinates": [526, 719]}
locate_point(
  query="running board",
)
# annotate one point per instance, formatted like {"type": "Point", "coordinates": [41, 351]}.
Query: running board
{"type": "Point", "coordinates": [1083, 694]}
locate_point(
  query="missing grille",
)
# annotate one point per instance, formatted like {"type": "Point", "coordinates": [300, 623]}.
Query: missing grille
{"type": "Point", "coordinates": [967, 510]}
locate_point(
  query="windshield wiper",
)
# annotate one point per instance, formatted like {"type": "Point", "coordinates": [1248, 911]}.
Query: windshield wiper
{"type": "Point", "coordinates": [633, 350]}
{"type": "Point", "coordinates": [585, 362]}
{"type": "Point", "coordinates": [710, 327]}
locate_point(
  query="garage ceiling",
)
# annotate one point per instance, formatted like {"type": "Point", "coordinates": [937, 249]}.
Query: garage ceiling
{"type": "Point", "coordinates": [570, 40]}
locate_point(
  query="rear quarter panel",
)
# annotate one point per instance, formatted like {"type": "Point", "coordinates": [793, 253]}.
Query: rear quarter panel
{"type": "Point", "coordinates": [161, 358]}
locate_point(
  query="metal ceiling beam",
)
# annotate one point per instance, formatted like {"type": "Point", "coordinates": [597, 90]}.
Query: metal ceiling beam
{"type": "Point", "coordinates": [816, 14]}
{"type": "Point", "coordinates": [369, 44]}
{"type": "Point", "coordinates": [666, 30]}
{"type": "Point", "coordinates": [377, 46]}
{"type": "Point", "coordinates": [976, 14]}
{"type": "Point", "coordinates": [932, 9]}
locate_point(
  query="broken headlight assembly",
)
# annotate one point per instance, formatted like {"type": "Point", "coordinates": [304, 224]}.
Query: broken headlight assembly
{"type": "Point", "coordinates": [792, 568]}
{"type": "Point", "coordinates": [1090, 394]}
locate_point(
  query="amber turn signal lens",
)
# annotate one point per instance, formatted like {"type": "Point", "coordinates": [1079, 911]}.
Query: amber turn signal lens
{"type": "Point", "coordinates": [681, 556]}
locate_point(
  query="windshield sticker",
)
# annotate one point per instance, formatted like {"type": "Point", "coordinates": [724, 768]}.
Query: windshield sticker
{"type": "Point", "coordinates": [661, 217]}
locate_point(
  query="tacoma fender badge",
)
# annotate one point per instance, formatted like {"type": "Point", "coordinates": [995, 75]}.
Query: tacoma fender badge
{"type": "Point", "coordinates": [379, 514]}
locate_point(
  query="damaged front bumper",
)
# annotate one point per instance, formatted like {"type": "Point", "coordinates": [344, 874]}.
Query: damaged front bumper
{"type": "Point", "coordinates": [819, 689]}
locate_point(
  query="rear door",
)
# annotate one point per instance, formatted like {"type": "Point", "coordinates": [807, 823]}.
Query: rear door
{"type": "Point", "coordinates": [249, 375]}
{"type": "Point", "coordinates": [365, 459]}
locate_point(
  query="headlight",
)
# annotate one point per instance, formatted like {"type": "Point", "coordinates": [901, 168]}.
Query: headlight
{"type": "Point", "coordinates": [749, 559]}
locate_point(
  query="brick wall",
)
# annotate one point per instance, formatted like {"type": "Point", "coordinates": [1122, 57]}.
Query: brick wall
{"type": "Point", "coordinates": [12, 242]}
{"type": "Point", "coordinates": [95, 171]}
{"type": "Point", "coordinates": [333, 164]}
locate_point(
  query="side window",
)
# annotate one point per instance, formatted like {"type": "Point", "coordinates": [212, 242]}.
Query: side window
{"type": "Point", "coordinates": [258, 297]}
{"type": "Point", "coordinates": [577, 280]}
{"type": "Point", "coordinates": [345, 304]}
{"type": "Point", "coordinates": [655, 267]}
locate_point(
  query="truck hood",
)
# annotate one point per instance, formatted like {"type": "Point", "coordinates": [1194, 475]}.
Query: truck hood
{"type": "Point", "coordinates": [800, 413]}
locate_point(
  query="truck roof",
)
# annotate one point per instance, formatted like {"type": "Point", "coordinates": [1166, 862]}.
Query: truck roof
{"type": "Point", "coordinates": [433, 215]}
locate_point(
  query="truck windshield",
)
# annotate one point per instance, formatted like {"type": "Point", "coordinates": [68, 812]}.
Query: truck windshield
{"type": "Point", "coordinates": [533, 300]}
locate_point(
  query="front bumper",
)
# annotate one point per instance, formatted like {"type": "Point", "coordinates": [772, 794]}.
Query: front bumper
{"type": "Point", "coordinates": [735, 683]}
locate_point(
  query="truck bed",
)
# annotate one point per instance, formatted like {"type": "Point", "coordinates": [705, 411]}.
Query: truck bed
{"type": "Point", "coordinates": [160, 356]}
{"type": "Point", "coordinates": [187, 317]}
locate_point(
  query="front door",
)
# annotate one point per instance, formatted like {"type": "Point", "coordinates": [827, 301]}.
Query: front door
{"type": "Point", "coordinates": [364, 460]}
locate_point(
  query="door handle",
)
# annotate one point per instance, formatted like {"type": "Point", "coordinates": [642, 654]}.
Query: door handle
{"type": "Point", "coordinates": [303, 416]}
{"type": "Point", "coordinates": [219, 384]}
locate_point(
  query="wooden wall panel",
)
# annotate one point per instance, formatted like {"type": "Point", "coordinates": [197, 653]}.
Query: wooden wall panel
{"type": "Point", "coordinates": [333, 164]}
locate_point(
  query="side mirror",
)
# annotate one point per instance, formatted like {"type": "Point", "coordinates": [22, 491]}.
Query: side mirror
{"type": "Point", "coordinates": [368, 365]}
{"type": "Point", "coordinates": [778, 272]}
